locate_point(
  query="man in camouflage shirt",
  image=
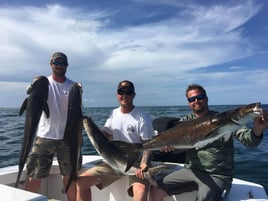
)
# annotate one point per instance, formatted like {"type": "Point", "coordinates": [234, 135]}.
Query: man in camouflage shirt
{"type": "Point", "coordinates": [210, 169]}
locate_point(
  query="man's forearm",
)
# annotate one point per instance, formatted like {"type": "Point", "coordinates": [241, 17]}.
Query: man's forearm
{"type": "Point", "coordinates": [146, 155]}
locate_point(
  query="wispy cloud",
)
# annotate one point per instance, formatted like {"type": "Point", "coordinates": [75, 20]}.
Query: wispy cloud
{"type": "Point", "coordinates": [154, 54]}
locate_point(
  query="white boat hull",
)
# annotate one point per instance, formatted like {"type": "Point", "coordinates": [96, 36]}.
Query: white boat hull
{"type": "Point", "coordinates": [52, 187]}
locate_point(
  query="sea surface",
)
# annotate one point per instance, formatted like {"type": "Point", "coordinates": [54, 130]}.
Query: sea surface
{"type": "Point", "coordinates": [251, 164]}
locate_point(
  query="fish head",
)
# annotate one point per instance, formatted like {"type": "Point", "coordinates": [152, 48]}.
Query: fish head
{"type": "Point", "coordinates": [79, 86]}
{"type": "Point", "coordinates": [247, 113]}
{"type": "Point", "coordinates": [39, 83]}
{"type": "Point", "coordinates": [76, 92]}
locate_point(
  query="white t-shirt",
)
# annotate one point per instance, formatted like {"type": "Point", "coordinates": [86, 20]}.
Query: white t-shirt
{"type": "Point", "coordinates": [134, 127]}
{"type": "Point", "coordinates": [54, 126]}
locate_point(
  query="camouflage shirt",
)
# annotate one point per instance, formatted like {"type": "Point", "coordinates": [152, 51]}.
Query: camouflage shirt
{"type": "Point", "coordinates": [217, 158]}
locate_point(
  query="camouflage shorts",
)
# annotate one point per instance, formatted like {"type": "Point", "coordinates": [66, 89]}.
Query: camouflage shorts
{"type": "Point", "coordinates": [41, 157]}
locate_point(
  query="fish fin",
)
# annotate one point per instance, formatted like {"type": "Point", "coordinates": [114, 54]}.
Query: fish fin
{"type": "Point", "coordinates": [18, 180]}
{"type": "Point", "coordinates": [132, 158]}
{"type": "Point", "coordinates": [132, 150]}
{"type": "Point", "coordinates": [23, 106]}
{"type": "Point", "coordinates": [46, 109]}
{"type": "Point", "coordinates": [226, 136]}
{"type": "Point", "coordinates": [69, 184]}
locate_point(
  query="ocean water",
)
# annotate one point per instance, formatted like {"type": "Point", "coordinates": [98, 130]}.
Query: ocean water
{"type": "Point", "coordinates": [250, 163]}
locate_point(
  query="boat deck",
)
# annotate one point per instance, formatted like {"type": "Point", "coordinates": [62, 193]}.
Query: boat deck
{"type": "Point", "coordinates": [51, 188]}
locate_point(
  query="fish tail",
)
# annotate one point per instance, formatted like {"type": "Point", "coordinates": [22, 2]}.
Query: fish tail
{"type": "Point", "coordinates": [70, 180]}
{"type": "Point", "coordinates": [132, 158]}
{"type": "Point", "coordinates": [150, 178]}
{"type": "Point", "coordinates": [18, 180]}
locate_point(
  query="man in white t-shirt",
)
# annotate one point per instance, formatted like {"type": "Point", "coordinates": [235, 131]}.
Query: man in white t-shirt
{"type": "Point", "coordinates": [50, 132]}
{"type": "Point", "coordinates": [126, 123]}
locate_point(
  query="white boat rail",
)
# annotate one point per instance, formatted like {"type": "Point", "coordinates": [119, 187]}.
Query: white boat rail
{"type": "Point", "coordinates": [52, 187]}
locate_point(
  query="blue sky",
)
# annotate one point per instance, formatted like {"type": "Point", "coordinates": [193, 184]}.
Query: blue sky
{"type": "Point", "coordinates": [160, 45]}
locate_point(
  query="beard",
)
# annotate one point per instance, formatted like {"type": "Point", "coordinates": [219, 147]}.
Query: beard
{"type": "Point", "coordinates": [198, 109]}
{"type": "Point", "coordinates": [59, 72]}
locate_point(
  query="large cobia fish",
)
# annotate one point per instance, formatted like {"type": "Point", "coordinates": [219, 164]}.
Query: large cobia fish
{"type": "Point", "coordinates": [199, 132]}
{"type": "Point", "coordinates": [73, 130]}
{"type": "Point", "coordinates": [114, 156]}
{"type": "Point", "coordinates": [34, 105]}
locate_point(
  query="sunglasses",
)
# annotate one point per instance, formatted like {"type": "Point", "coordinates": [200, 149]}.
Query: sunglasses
{"type": "Point", "coordinates": [123, 92]}
{"type": "Point", "coordinates": [62, 64]}
{"type": "Point", "coordinates": [198, 97]}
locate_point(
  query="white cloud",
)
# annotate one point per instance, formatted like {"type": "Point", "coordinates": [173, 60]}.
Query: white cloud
{"type": "Point", "coordinates": [155, 54]}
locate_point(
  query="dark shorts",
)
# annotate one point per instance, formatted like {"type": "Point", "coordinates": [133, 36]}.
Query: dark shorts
{"type": "Point", "coordinates": [41, 157]}
{"type": "Point", "coordinates": [209, 187]}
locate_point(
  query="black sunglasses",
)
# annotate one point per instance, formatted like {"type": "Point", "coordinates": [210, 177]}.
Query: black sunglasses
{"type": "Point", "coordinates": [123, 92]}
{"type": "Point", "coordinates": [62, 64]}
{"type": "Point", "coordinates": [198, 97]}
